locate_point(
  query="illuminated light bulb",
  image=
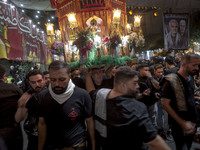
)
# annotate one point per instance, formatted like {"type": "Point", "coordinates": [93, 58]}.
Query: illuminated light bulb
{"type": "Point", "coordinates": [155, 14]}
{"type": "Point", "coordinates": [130, 12]}
{"type": "Point", "coordinates": [128, 26]}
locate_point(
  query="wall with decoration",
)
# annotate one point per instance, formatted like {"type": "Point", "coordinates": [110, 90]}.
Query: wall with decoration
{"type": "Point", "coordinates": [20, 38]}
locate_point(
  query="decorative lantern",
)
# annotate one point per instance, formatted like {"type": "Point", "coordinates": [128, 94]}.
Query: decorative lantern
{"type": "Point", "coordinates": [137, 20]}
{"type": "Point", "coordinates": [116, 16]}
{"type": "Point", "coordinates": [50, 30]}
{"type": "Point", "coordinates": [58, 34]}
{"type": "Point", "coordinates": [72, 20]}
{"type": "Point", "coordinates": [128, 27]}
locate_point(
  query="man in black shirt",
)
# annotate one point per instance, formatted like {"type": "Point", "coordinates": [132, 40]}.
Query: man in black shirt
{"type": "Point", "coordinates": [178, 101]}
{"type": "Point", "coordinates": [65, 110]}
{"type": "Point", "coordinates": [120, 120]}
{"type": "Point", "coordinates": [28, 105]}
{"type": "Point", "coordinates": [10, 131]}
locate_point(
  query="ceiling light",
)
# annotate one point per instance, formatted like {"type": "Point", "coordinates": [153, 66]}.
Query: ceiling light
{"type": "Point", "coordinates": [12, 6]}
{"type": "Point", "coordinates": [130, 12]}
{"type": "Point", "coordinates": [38, 11]}
{"type": "Point", "coordinates": [48, 20]}
{"type": "Point", "coordinates": [155, 14]}
{"type": "Point", "coordinates": [52, 17]}
{"type": "Point", "coordinates": [38, 22]}
{"type": "Point", "coordinates": [22, 10]}
{"type": "Point", "coordinates": [36, 16]}
{"type": "Point", "coordinates": [5, 1]}
{"type": "Point", "coordinates": [33, 26]}
{"type": "Point", "coordinates": [21, 5]}
{"type": "Point", "coordinates": [30, 21]}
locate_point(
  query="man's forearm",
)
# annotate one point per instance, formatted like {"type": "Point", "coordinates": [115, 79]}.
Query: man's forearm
{"type": "Point", "coordinates": [20, 114]}
{"type": "Point", "coordinates": [41, 135]}
{"type": "Point", "coordinates": [171, 112]}
{"type": "Point", "coordinates": [89, 83]}
{"type": "Point", "coordinates": [155, 83]}
{"type": "Point", "coordinates": [90, 125]}
{"type": "Point", "coordinates": [158, 144]}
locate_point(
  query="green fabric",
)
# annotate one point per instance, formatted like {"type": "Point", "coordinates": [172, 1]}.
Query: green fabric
{"type": "Point", "coordinates": [93, 60]}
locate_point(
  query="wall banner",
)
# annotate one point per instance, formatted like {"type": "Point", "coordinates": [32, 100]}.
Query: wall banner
{"type": "Point", "coordinates": [20, 39]}
{"type": "Point", "coordinates": [176, 31]}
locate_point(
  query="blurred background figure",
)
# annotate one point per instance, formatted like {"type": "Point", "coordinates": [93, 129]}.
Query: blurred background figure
{"type": "Point", "coordinates": [184, 34]}
{"type": "Point", "coordinates": [10, 131]}
{"type": "Point", "coordinates": [170, 65]}
{"type": "Point", "coordinates": [76, 78]}
{"type": "Point", "coordinates": [12, 71]}
{"type": "Point", "coordinates": [46, 77]}
{"type": "Point", "coordinates": [178, 57]}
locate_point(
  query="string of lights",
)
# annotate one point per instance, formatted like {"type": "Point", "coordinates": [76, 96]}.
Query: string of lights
{"type": "Point", "coordinates": [37, 17]}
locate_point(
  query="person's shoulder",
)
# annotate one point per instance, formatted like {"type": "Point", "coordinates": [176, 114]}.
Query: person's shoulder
{"type": "Point", "coordinates": [80, 91]}
{"type": "Point", "coordinates": [12, 87]}
{"type": "Point", "coordinates": [43, 92]}
{"type": "Point", "coordinates": [131, 101]}
{"type": "Point", "coordinates": [131, 106]}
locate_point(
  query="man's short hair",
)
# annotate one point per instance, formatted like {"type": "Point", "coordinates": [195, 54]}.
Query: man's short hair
{"type": "Point", "coordinates": [170, 60]}
{"type": "Point", "coordinates": [45, 72]}
{"type": "Point", "coordinates": [33, 73]}
{"type": "Point", "coordinates": [56, 65]}
{"type": "Point", "coordinates": [179, 54]}
{"type": "Point", "coordinates": [2, 71]}
{"type": "Point", "coordinates": [172, 20]}
{"type": "Point", "coordinates": [188, 56]}
{"type": "Point", "coordinates": [158, 66]}
{"type": "Point", "coordinates": [141, 66]}
{"type": "Point", "coordinates": [182, 21]}
{"type": "Point", "coordinates": [124, 74]}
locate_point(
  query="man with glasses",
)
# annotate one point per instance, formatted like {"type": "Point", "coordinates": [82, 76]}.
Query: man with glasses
{"type": "Point", "coordinates": [28, 103]}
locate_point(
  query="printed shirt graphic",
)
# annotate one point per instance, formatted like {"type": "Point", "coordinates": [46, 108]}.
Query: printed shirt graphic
{"type": "Point", "coordinates": [73, 114]}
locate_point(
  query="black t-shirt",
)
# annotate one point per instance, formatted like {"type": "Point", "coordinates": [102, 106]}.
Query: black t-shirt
{"type": "Point", "coordinates": [171, 70]}
{"type": "Point", "coordinates": [106, 83]}
{"type": "Point", "coordinates": [65, 122]}
{"type": "Point", "coordinates": [168, 92]}
{"type": "Point", "coordinates": [9, 95]}
{"type": "Point", "coordinates": [31, 121]}
{"type": "Point", "coordinates": [128, 124]}
{"type": "Point", "coordinates": [145, 83]}
{"type": "Point", "coordinates": [79, 82]}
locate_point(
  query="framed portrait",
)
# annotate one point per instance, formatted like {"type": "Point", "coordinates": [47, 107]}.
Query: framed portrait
{"type": "Point", "coordinates": [176, 31]}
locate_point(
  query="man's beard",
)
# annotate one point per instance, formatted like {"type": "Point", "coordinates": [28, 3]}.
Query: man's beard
{"type": "Point", "coordinates": [59, 90]}
{"type": "Point", "coordinates": [132, 93]}
{"type": "Point", "coordinates": [193, 72]}
{"type": "Point", "coordinates": [38, 89]}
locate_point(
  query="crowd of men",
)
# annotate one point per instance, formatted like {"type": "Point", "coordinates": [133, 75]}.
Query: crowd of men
{"type": "Point", "coordinates": [148, 105]}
